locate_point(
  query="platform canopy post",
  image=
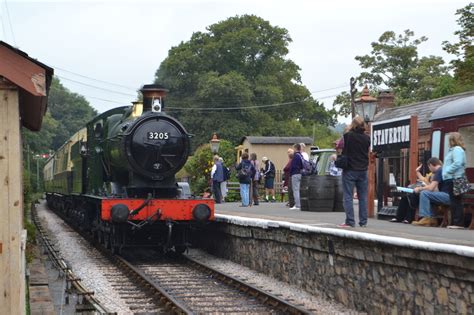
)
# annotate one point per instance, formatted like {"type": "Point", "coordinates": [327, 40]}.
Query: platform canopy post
{"type": "Point", "coordinates": [12, 264]}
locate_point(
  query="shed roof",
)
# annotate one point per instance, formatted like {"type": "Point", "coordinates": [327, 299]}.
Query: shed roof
{"type": "Point", "coordinates": [32, 77]}
{"type": "Point", "coordinates": [424, 110]}
{"type": "Point", "coordinates": [277, 140]}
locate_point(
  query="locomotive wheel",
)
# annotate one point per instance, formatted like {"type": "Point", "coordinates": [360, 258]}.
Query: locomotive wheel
{"type": "Point", "coordinates": [100, 237]}
{"type": "Point", "coordinates": [116, 241]}
{"type": "Point", "coordinates": [179, 249]}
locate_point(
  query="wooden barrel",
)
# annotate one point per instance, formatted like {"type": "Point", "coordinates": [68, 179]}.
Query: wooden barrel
{"type": "Point", "coordinates": [339, 195]}
{"type": "Point", "coordinates": [304, 193]}
{"type": "Point", "coordinates": [320, 193]}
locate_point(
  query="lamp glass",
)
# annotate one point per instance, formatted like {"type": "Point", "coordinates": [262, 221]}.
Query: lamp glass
{"type": "Point", "coordinates": [366, 110]}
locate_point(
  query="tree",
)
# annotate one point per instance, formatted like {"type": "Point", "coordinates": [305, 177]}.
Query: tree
{"type": "Point", "coordinates": [219, 80]}
{"type": "Point", "coordinates": [72, 111]}
{"type": "Point", "coordinates": [394, 63]}
{"type": "Point", "coordinates": [463, 65]}
{"type": "Point", "coordinates": [67, 113]}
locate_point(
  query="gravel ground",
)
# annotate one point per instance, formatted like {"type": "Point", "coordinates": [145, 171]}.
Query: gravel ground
{"type": "Point", "coordinates": [85, 261]}
{"type": "Point", "coordinates": [315, 304]}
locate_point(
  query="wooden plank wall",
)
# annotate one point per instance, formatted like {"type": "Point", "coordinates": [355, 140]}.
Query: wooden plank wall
{"type": "Point", "coordinates": [12, 269]}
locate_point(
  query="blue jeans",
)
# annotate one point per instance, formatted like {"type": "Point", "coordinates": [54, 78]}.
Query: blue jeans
{"type": "Point", "coordinates": [244, 194]}
{"type": "Point", "coordinates": [295, 185]}
{"type": "Point", "coordinates": [360, 180]}
{"type": "Point", "coordinates": [427, 197]}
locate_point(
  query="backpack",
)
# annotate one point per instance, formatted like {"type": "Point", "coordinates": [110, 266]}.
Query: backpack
{"type": "Point", "coordinates": [309, 167]}
{"type": "Point", "coordinates": [226, 173]}
{"type": "Point", "coordinates": [244, 173]}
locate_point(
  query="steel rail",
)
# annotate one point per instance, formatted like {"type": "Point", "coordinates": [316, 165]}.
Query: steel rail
{"type": "Point", "coordinates": [169, 301]}
{"type": "Point", "coordinates": [58, 261]}
{"type": "Point", "coordinates": [264, 297]}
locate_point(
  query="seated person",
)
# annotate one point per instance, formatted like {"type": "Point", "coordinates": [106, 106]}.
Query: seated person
{"type": "Point", "coordinates": [408, 204]}
{"type": "Point", "coordinates": [436, 192]}
{"type": "Point", "coordinates": [333, 170]}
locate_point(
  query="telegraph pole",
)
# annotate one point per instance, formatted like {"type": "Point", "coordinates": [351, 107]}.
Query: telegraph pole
{"type": "Point", "coordinates": [353, 90]}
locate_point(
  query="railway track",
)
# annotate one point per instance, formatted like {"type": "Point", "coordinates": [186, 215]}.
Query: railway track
{"type": "Point", "coordinates": [88, 303]}
{"type": "Point", "coordinates": [201, 289]}
{"type": "Point", "coordinates": [154, 283]}
{"type": "Point", "coordinates": [134, 292]}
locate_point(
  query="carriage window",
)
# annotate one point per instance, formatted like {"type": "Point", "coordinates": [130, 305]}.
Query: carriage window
{"type": "Point", "coordinates": [468, 135]}
{"type": "Point", "coordinates": [436, 143]}
{"type": "Point", "coordinates": [446, 146]}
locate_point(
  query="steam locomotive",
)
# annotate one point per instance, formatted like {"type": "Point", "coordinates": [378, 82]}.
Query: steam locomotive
{"type": "Point", "coordinates": [115, 178]}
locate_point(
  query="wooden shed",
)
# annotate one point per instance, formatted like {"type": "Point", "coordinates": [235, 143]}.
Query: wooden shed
{"type": "Point", "coordinates": [24, 86]}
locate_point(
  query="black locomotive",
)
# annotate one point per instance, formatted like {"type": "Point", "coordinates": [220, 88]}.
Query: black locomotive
{"type": "Point", "coordinates": [116, 177]}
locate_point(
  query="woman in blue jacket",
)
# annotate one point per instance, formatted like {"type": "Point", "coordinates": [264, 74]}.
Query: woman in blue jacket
{"type": "Point", "coordinates": [454, 167]}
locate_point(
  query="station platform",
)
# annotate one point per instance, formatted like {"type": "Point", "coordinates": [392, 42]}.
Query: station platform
{"type": "Point", "coordinates": [279, 212]}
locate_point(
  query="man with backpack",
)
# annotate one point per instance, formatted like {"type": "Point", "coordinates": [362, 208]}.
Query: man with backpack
{"type": "Point", "coordinates": [295, 173]}
{"type": "Point", "coordinates": [245, 173]}
{"type": "Point", "coordinates": [269, 175]}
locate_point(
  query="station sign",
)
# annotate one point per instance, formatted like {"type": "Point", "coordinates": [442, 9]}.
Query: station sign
{"type": "Point", "coordinates": [390, 135]}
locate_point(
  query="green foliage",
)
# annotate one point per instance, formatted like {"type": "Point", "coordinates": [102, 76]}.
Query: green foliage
{"type": "Point", "coordinates": [70, 110]}
{"type": "Point", "coordinates": [463, 65]}
{"type": "Point", "coordinates": [200, 164]}
{"type": "Point", "coordinates": [325, 137]}
{"type": "Point", "coordinates": [67, 113]}
{"type": "Point", "coordinates": [219, 78]}
{"type": "Point", "coordinates": [394, 63]}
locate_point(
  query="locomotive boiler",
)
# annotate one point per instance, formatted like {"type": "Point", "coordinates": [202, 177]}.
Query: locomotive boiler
{"type": "Point", "coordinates": [116, 178]}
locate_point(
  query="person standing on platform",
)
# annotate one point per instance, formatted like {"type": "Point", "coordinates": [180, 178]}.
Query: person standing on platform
{"type": "Point", "coordinates": [245, 173]}
{"type": "Point", "coordinates": [287, 181]}
{"type": "Point", "coordinates": [295, 173]}
{"type": "Point", "coordinates": [269, 176]}
{"type": "Point", "coordinates": [356, 149]}
{"type": "Point", "coordinates": [304, 154]}
{"type": "Point", "coordinates": [454, 168]}
{"type": "Point", "coordinates": [217, 175]}
{"type": "Point", "coordinates": [255, 180]}
{"type": "Point", "coordinates": [226, 173]}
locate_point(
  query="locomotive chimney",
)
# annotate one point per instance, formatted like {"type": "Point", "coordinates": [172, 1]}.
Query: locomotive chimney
{"type": "Point", "coordinates": [153, 97]}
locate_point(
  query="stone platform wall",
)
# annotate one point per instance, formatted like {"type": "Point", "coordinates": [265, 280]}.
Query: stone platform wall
{"type": "Point", "coordinates": [377, 277]}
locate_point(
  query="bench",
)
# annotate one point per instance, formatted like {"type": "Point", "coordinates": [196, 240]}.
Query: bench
{"type": "Point", "coordinates": [468, 203]}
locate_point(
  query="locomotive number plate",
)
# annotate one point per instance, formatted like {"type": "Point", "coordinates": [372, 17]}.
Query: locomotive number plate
{"type": "Point", "coordinates": [157, 135]}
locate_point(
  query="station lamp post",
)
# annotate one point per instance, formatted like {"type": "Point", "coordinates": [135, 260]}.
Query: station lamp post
{"type": "Point", "coordinates": [215, 144]}
{"type": "Point", "coordinates": [366, 105]}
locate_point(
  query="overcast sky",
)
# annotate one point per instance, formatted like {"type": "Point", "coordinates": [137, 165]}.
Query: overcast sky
{"type": "Point", "coordinates": [124, 42]}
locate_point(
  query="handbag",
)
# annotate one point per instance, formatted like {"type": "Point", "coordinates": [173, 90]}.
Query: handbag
{"type": "Point", "coordinates": [461, 185]}
{"type": "Point", "coordinates": [342, 162]}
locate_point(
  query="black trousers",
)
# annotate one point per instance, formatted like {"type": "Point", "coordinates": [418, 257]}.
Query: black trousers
{"type": "Point", "coordinates": [457, 212]}
{"type": "Point", "coordinates": [406, 207]}
{"type": "Point", "coordinates": [291, 198]}
{"type": "Point", "coordinates": [216, 190]}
